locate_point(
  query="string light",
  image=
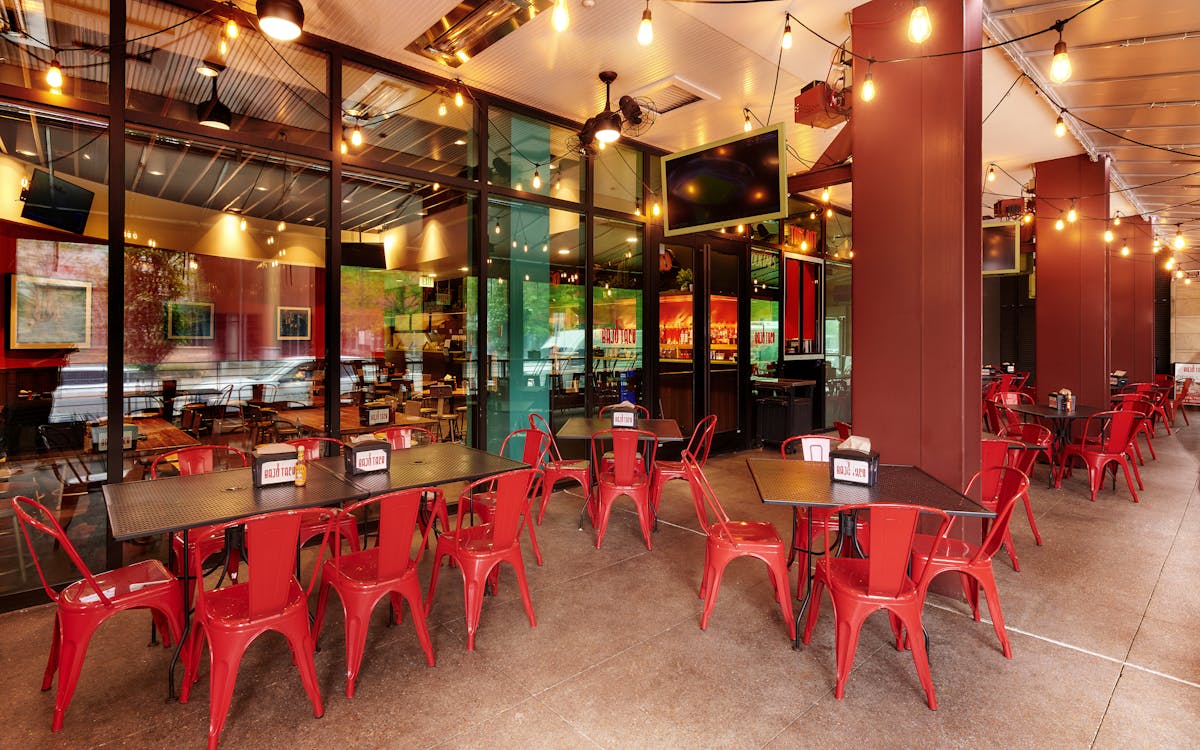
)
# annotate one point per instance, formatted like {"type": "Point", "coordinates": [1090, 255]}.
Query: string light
{"type": "Point", "coordinates": [223, 48]}
{"type": "Point", "coordinates": [1179, 274]}
{"type": "Point", "coordinates": [54, 75]}
{"type": "Point", "coordinates": [829, 213]}
{"type": "Point", "coordinates": [1156, 245]}
{"type": "Point", "coordinates": [280, 226]}
{"type": "Point", "coordinates": [1072, 214]}
{"type": "Point", "coordinates": [1028, 218]}
{"type": "Point", "coordinates": [1188, 281]}
{"type": "Point", "coordinates": [1125, 248]}
{"type": "Point", "coordinates": [1108, 235]}
{"type": "Point", "coordinates": [344, 148]}
{"type": "Point", "coordinates": [1117, 219]}
{"type": "Point", "coordinates": [537, 180]}
{"type": "Point", "coordinates": [991, 173]}
{"type": "Point", "coordinates": [637, 207]}
{"type": "Point", "coordinates": [442, 107]}
{"type": "Point", "coordinates": [746, 120]}
{"type": "Point", "coordinates": [458, 95]}
{"type": "Point", "coordinates": [868, 87]}
{"type": "Point", "coordinates": [645, 33]}
{"type": "Point", "coordinates": [656, 209]}
{"type": "Point", "coordinates": [356, 136]}
{"type": "Point", "coordinates": [920, 26]}
{"type": "Point", "coordinates": [1060, 64]}
{"type": "Point", "coordinates": [786, 41]}
{"type": "Point", "coordinates": [1170, 263]}
{"type": "Point", "coordinates": [825, 195]}
{"type": "Point", "coordinates": [1179, 242]}
{"type": "Point", "coordinates": [1060, 127]}
{"type": "Point", "coordinates": [560, 17]}
{"type": "Point", "coordinates": [497, 229]}
{"type": "Point", "coordinates": [231, 29]}
{"type": "Point", "coordinates": [1060, 224]}
{"type": "Point", "coordinates": [242, 224]}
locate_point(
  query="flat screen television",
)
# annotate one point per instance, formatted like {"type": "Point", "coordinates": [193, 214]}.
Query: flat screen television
{"type": "Point", "coordinates": [1001, 247]}
{"type": "Point", "coordinates": [54, 201]}
{"type": "Point", "coordinates": [736, 180]}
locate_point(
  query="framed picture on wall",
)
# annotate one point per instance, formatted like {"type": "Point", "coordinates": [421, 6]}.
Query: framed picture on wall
{"type": "Point", "coordinates": [50, 313]}
{"type": "Point", "coordinates": [189, 320]}
{"type": "Point", "coordinates": [293, 323]}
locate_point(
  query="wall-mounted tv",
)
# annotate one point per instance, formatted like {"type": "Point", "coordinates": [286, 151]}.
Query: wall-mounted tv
{"type": "Point", "coordinates": [1001, 247]}
{"type": "Point", "coordinates": [54, 201]}
{"type": "Point", "coordinates": [736, 180]}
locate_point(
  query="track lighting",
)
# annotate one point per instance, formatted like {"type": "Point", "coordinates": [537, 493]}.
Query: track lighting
{"type": "Point", "coordinates": [920, 27]}
{"type": "Point", "coordinates": [213, 113]}
{"type": "Point", "coordinates": [645, 33]}
{"type": "Point", "coordinates": [280, 19]}
{"type": "Point", "coordinates": [1060, 127]}
{"type": "Point", "coordinates": [560, 17]}
{"type": "Point", "coordinates": [786, 42]}
{"type": "Point", "coordinates": [1060, 65]}
{"type": "Point", "coordinates": [54, 75]}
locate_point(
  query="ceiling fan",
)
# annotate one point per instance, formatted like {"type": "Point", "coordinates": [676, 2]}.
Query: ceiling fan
{"type": "Point", "coordinates": [632, 117]}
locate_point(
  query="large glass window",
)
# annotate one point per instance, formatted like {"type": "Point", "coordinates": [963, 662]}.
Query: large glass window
{"type": "Point", "coordinates": [676, 332]}
{"type": "Point", "coordinates": [53, 346]}
{"type": "Point", "coordinates": [533, 156]}
{"type": "Point", "coordinates": [764, 312]}
{"type": "Point", "coordinates": [617, 311]}
{"type": "Point", "coordinates": [618, 178]}
{"type": "Point", "coordinates": [224, 282]}
{"type": "Point", "coordinates": [409, 125]}
{"type": "Point", "coordinates": [74, 35]}
{"type": "Point", "coordinates": [837, 342]}
{"type": "Point", "coordinates": [535, 315]}
{"type": "Point", "coordinates": [408, 298]}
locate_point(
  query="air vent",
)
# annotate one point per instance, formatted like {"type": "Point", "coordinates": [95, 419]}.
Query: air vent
{"type": "Point", "coordinates": [672, 93]}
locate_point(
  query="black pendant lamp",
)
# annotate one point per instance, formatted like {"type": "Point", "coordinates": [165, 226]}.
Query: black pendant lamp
{"type": "Point", "coordinates": [213, 112]}
{"type": "Point", "coordinates": [280, 19]}
{"type": "Point", "coordinates": [608, 122]}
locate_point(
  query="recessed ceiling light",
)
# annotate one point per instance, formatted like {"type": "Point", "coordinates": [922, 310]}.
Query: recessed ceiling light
{"type": "Point", "coordinates": [464, 269]}
{"type": "Point", "coordinates": [156, 172]}
{"type": "Point", "coordinates": [260, 188]}
{"type": "Point", "coordinates": [433, 275]}
{"type": "Point", "coordinates": [308, 218]}
{"type": "Point", "coordinates": [631, 239]}
{"type": "Point", "coordinates": [460, 142]}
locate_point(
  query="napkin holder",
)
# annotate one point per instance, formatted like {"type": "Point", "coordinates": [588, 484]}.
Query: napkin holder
{"type": "Point", "coordinates": [854, 467]}
{"type": "Point", "coordinates": [273, 463]}
{"type": "Point", "coordinates": [366, 456]}
{"type": "Point", "coordinates": [1062, 400]}
{"type": "Point", "coordinates": [97, 433]}
{"type": "Point", "coordinates": [624, 416]}
{"type": "Point", "coordinates": [375, 414]}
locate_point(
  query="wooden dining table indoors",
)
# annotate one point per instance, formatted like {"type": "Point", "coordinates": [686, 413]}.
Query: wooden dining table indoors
{"type": "Point", "coordinates": [806, 484]}
{"type": "Point", "coordinates": [312, 420]}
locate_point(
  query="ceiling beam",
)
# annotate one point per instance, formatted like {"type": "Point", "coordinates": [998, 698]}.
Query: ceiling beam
{"type": "Point", "coordinates": [1046, 7]}
{"type": "Point", "coordinates": [1128, 79]}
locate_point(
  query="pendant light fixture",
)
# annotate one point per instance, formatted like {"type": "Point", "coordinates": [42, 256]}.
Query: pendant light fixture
{"type": "Point", "coordinates": [645, 33]}
{"type": "Point", "coordinates": [1060, 64]}
{"type": "Point", "coordinates": [1125, 248]}
{"type": "Point", "coordinates": [356, 136]}
{"type": "Point", "coordinates": [280, 19]}
{"type": "Point", "coordinates": [920, 27]}
{"type": "Point", "coordinates": [608, 122]}
{"type": "Point", "coordinates": [442, 107]}
{"type": "Point", "coordinates": [537, 179]}
{"type": "Point", "coordinates": [1117, 219]}
{"type": "Point", "coordinates": [1156, 245]}
{"type": "Point", "coordinates": [560, 17]}
{"type": "Point", "coordinates": [213, 112]}
{"type": "Point", "coordinates": [1060, 224]}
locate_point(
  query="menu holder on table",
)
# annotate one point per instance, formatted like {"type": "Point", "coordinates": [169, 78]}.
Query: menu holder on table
{"type": "Point", "coordinates": [366, 456]}
{"type": "Point", "coordinates": [375, 414]}
{"type": "Point", "coordinates": [97, 436]}
{"type": "Point", "coordinates": [854, 467]}
{"type": "Point", "coordinates": [274, 463]}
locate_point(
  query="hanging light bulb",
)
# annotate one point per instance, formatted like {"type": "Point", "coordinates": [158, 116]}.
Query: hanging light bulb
{"type": "Point", "coordinates": [537, 180]}
{"type": "Point", "coordinates": [458, 97]}
{"type": "Point", "coordinates": [868, 87]}
{"type": "Point", "coordinates": [497, 229]}
{"type": "Point", "coordinates": [242, 224]}
{"type": "Point", "coordinates": [1072, 214]}
{"type": "Point", "coordinates": [1179, 274]}
{"type": "Point", "coordinates": [560, 17]}
{"type": "Point", "coordinates": [1179, 242]}
{"type": "Point", "coordinates": [223, 47]}
{"type": "Point", "coordinates": [991, 173]}
{"type": "Point", "coordinates": [442, 107]}
{"type": "Point", "coordinates": [746, 120]}
{"type": "Point", "coordinates": [231, 29]}
{"type": "Point", "coordinates": [1108, 235]}
{"type": "Point", "coordinates": [1060, 224]}
{"type": "Point", "coordinates": [1125, 249]}
{"type": "Point", "coordinates": [280, 226]}
{"type": "Point", "coordinates": [1188, 281]}
{"type": "Point", "coordinates": [1028, 217]}
{"type": "Point", "coordinates": [637, 207]}
{"type": "Point", "coordinates": [920, 27]}
{"type": "Point", "coordinates": [1060, 127]}
{"type": "Point", "coordinates": [645, 33]}
{"type": "Point", "coordinates": [786, 42]}
{"type": "Point", "coordinates": [825, 195]}
{"type": "Point", "coordinates": [1060, 64]}
{"type": "Point", "coordinates": [345, 149]}
{"type": "Point", "coordinates": [1170, 263]}
{"type": "Point", "coordinates": [356, 136]}
{"type": "Point", "coordinates": [1156, 245]}
{"type": "Point", "coordinates": [54, 75]}
{"type": "Point", "coordinates": [656, 209]}
{"type": "Point", "coordinates": [1117, 219]}
{"type": "Point", "coordinates": [829, 213]}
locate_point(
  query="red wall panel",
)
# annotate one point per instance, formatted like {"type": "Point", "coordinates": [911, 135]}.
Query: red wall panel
{"type": "Point", "coordinates": [1131, 300]}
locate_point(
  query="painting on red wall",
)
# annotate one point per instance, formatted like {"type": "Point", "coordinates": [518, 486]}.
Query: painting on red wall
{"type": "Point", "coordinates": [189, 320]}
{"type": "Point", "coordinates": [294, 323]}
{"type": "Point", "coordinates": [50, 313]}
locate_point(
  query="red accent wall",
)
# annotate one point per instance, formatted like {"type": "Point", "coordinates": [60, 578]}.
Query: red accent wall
{"type": "Point", "coordinates": [916, 222]}
{"type": "Point", "coordinates": [791, 299]}
{"type": "Point", "coordinates": [1072, 279]}
{"type": "Point", "coordinates": [1131, 300]}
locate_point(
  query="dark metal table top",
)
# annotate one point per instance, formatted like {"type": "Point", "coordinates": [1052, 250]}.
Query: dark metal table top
{"type": "Point", "coordinates": [582, 428]}
{"type": "Point", "coordinates": [160, 506]}
{"type": "Point", "coordinates": [422, 466]}
{"type": "Point", "coordinates": [807, 484]}
{"type": "Point", "coordinates": [1049, 412]}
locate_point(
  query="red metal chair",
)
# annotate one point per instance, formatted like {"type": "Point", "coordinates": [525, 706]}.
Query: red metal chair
{"type": "Point", "coordinates": [389, 568]}
{"type": "Point", "coordinates": [203, 541]}
{"type": "Point", "coordinates": [555, 468]}
{"type": "Point", "coordinates": [1137, 402]}
{"type": "Point", "coordinates": [809, 448]}
{"type": "Point", "coordinates": [229, 618]}
{"type": "Point", "coordinates": [860, 586]}
{"type": "Point", "coordinates": [627, 474]}
{"type": "Point", "coordinates": [406, 437]}
{"type": "Point", "coordinates": [480, 549]}
{"type": "Point", "coordinates": [82, 606]}
{"type": "Point", "coordinates": [698, 447]}
{"type": "Point", "coordinates": [997, 454]}
{"type": "Point", "coordinates": [535, 447]}
{"type": "Point", "coordinates": [318, 447]}
{"type": "Point", "coordinates": [1178, 404]}
{"type": "Point", "coordinates": [728, 540]}
{"type": "Point", "coordinates": [1107, 446]}
{"type": "Point", "coordinates": [932, 556]}
{"type": "Point", "coordinates": [642, 412]}
{"type": "Point", "coordinates": [1024, 460]}
{"type": "Point", "coordinates": [1157, 394]}
{"type": "Point", "coordinates": [844, 429]}
{"type": "Point", "coordinates": [314, 526]}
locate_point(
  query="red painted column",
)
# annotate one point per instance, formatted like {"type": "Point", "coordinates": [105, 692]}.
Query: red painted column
{"type": "Point", "coordinates": [1131, 299]}
{"type": "Point", "coordinates": [916, 223]}
{"type": "Point", "coordinates": [1072, 279]}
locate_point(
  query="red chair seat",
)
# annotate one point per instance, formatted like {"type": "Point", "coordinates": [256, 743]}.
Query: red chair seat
{"type": "Point", "coordinates": [554, 468]}
{"type": "Point", "coordinates": [130, 583]}
{"type": "Point", "coordinates": [749, 533]}
{"type": "Point", "coordinates": [698, 447]}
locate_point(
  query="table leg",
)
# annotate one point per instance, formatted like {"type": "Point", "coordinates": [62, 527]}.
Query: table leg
{"type": "Point", "coordinates": [803, 608]}
{"type": "Point", "coordinates": [187, 622]}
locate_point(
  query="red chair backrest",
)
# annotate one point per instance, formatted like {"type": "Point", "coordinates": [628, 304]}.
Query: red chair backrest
{"type": "Point", "coordinates": [843, 429]}
{"type": "Point", "coordinates": [808, 447]}
{"type": "Point", "coordinates": [1003, 486]}
{"type": "Point", "coordinates": [1029, 432]}
{"type": "Point", "coordinates": [1121, 428]}
{"type": "Point", "coordinates": [538, 422]}
{"type": "Point", "coordinates": [31, 513]}
{"type": "Point", "coordinates": [402, 437]}
{"type": "Point", "coordinates": [642, 412]}
{"type": "Point", "coordinates": [398, 514]}
{"type": "Point", "coordinates": [627, 468]}
{"type": "Point", "coordinates": [996, 453]}
{"type": "Point", "coordinates": [314, 446]}
{"type": "Point", "coordinates": [890, 529]}
{"type": "Point", "coordinates": [702, 438]}
{"type": "Point", "coordinates": [1181, 390]}
{"type": "Point", "coordinates": [535, 446]}
{"type": "Point", "coordinates": [510, 492]}
{"type": "Point", "coordinates": [1011, 398]}
{"type": "Point", "coordinates": [709, 511]}
{"type": "Point", "coordinates": [200, 459]}
{"type": "Point", "coordinates": [271, 541]}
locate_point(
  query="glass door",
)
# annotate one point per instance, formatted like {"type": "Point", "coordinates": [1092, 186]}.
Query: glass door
{"type": "Point", "coordinates": [677, 334]}
{"type": "Point", "coordinates": [722, 377]}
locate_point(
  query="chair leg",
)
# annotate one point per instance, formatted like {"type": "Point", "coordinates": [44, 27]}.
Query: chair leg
{"type": "Point", "coordinates": [605, 502]}
{"type": "Point", "coordinates": [473, 601]}
{"type": "Point", "coordinates": [717, 570]}
{"type": "Point", "coordinates": [778, 570]}
{"type": "Point", "coordinates": [537, 552]}
{"type": "Point", "coordinates": [985, 579]}
{"type": "Point", "coordinates": [846, 628]}
{"type": "Point", "coordinates": [322, 601]}
{"type": "Point", "coordinates": [971, 590]}
{"type": "Point", "coordinates": [413, 597]}
{"type": "Point", "coordinates": [916, 639]}
{"type": "Point", "coordinates": [52, 660]}
{"type": "Point", "coordinates": [433, 577]}
{"type": "Point", "coordinates": [300, 639]}
{"type": "Point", "coordinates": [72, 649]}
{"type": "Point", "coordinates": [1037, 536]}
{"type": "Point", "coordinates": [1136, 475]}
{"type": "Point", "coordinates": [523, 585]}
{"type": "Point", "coordinates": [1129, 479]}
{"type": "Point", "coordinates": [221, 681]}
{"type": "Point", "coordinates": [356, 643]}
